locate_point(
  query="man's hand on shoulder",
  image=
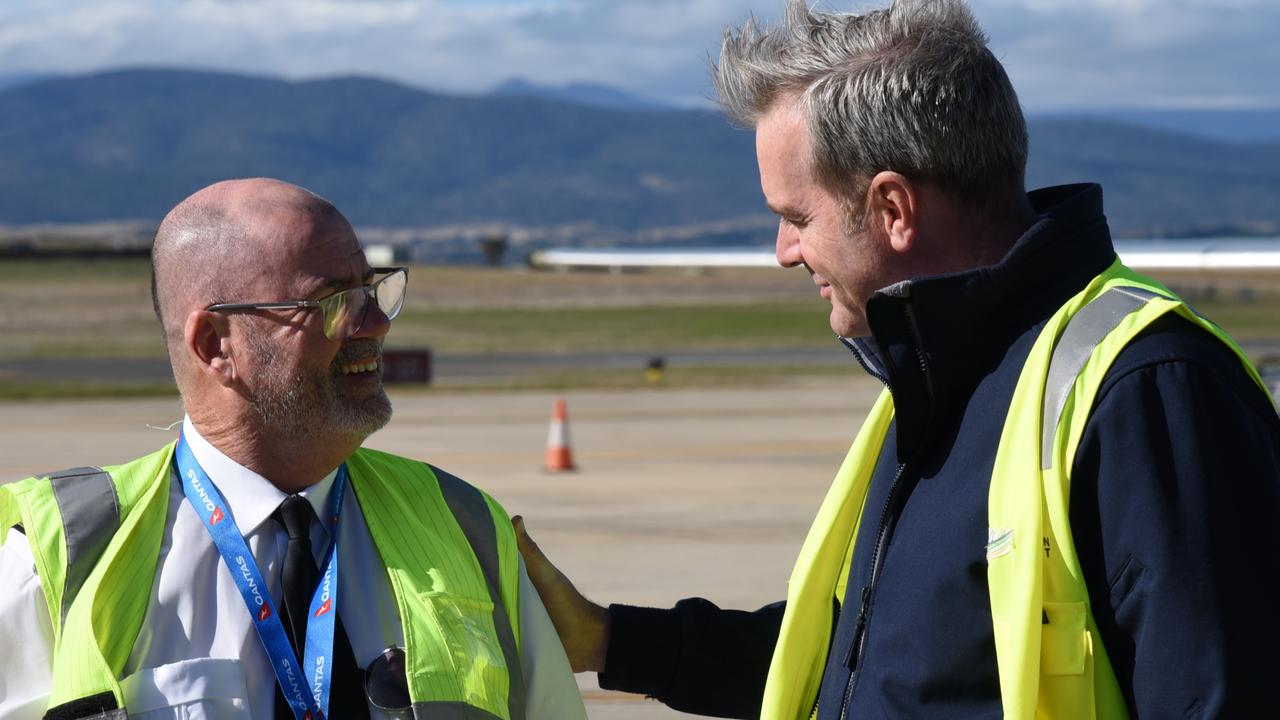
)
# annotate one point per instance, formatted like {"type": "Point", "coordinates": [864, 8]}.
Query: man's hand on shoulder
{"type": "Point", "coordinates": [583, 626]}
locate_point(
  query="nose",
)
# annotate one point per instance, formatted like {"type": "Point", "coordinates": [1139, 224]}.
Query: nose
{"type": "Point", "coordinates": [788, 245]}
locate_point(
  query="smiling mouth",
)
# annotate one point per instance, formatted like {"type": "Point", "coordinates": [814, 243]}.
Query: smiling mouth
{"type": "Point", "coordinates": [360, 367]}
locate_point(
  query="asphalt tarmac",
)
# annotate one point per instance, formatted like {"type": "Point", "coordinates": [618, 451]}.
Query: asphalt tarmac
{"type": "Point", "coordinates": [677, 492]}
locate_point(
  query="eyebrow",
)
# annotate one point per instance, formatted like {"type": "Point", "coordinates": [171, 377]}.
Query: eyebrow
{"type": "Point", "coordinates": [781, 211]}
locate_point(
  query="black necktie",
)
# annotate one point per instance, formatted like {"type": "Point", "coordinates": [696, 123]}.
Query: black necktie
{"type": "Point", "coordinates": [298, 581]}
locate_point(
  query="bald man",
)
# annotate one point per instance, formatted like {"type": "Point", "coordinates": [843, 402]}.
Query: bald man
{"type": "Point", "coordinates": [264, 564]}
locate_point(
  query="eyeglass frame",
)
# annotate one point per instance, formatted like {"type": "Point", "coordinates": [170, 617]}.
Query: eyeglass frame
{"type": "Point", "coordinates": [386, 273]}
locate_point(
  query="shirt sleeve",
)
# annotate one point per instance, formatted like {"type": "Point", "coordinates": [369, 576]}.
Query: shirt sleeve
{"type": "Point", "coordinates": [1175, 493]}
{"type": "Point", "coordinates": [550, 688]}
{"type": "Point", "coordinates": [695, 657]}
{"type": "Point", "coordinates": [26, 664]}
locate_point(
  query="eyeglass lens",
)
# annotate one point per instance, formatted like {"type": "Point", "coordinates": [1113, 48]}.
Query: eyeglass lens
{"type": "Point", "coordinates": [345, 312]}
{"type": "Point", "coordinates": [385, 681]}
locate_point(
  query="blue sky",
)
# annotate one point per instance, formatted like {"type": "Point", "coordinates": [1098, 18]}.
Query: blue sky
{"type": "Point", "coordinates": [1061, 54]}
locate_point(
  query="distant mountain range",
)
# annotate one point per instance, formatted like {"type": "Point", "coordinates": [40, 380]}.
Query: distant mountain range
{"type": "Point", "coordinates": [129, 144]}
{"type": "Point", "coordinates": [9, 80]}
{"type": "Point", "coordinates": [577, 93]}
{"type": "Point", "coordinates": [1259, 125]}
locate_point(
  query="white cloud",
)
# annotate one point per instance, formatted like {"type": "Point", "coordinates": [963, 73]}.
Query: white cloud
{"type": "Point", "coordinates": [1060, 53]}
{"type": "Point", "coordinates": [1133, 53]}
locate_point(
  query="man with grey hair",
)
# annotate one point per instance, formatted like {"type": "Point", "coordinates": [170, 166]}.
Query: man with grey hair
{"type": "Point", "coordinates": [202, 581]}
{"type": "Point", "coordinates": [1056, 507]}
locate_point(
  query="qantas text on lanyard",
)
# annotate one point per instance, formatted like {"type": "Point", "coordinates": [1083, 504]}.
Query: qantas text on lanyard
{"type": "Point", "coordinates": [308, 697]}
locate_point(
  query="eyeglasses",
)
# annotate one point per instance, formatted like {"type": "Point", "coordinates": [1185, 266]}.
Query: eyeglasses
{"type": "Point", "coordinates": [344, 311]}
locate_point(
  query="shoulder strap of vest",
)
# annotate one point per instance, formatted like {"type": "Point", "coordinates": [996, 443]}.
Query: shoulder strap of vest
{"type": "Point", "coordinates": [90, 510]}
{"type": "Point", "coordinates": [1086, 330]}
{"type": "Point", "coordinates": [1027, 534]}
{"type": "Point", "coordinates": [1047, 643]}
{"type": "Point", "coordinates": [69, 517]}
{"type": "Point", "coordinates": [422, 522]}
{"type": "Point", "coordinates": [104, 617]}
{"type": "Point", "coordinates": [1129, 304]}
{"type": "Point", "coordinates": [472, 510]}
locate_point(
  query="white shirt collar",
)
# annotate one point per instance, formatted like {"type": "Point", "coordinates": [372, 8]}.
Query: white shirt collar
{"type": "Point", "coordinates": [251, 497]}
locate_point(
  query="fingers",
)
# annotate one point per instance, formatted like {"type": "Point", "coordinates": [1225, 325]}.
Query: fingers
{"type": "Point", "coordinates": [583, 626]}
{"type": "Point", "coordinates": [552, 584]}
{"type": "Point", "coordinates": [535, 561]}
{"type": "Point", "coordinates": [523, 540]}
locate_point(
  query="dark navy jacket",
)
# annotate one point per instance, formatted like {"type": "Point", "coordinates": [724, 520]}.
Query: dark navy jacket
{"type": "Point", "coordinates": [1175, 489]}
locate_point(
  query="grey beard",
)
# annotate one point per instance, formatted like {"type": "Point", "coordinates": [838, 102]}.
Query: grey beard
{"type": "Point", "coordinates": [293, 407]}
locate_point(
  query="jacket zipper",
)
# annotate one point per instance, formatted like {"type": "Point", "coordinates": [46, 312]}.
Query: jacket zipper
{"type": "Point", "coordinates": [853, 660]}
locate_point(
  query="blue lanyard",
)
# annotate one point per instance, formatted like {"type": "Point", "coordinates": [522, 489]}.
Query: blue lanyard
{"type": "Point", "coordinates": [308, 697]}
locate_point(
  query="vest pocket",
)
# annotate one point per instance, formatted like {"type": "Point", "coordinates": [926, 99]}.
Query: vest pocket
{"type": "Point", "coordinates": [464, 652]}
{"type": "Point", "coordinates": [1063, 643]}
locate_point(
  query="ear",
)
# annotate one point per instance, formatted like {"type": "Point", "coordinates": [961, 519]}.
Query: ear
{"type": "Point", "coordinates": [893, 204]}
{"type": "Point", "coordinates": [206, 338]}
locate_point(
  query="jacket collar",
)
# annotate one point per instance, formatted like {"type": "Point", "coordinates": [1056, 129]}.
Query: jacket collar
{"type": "Point", "coordinates": [934, 338]}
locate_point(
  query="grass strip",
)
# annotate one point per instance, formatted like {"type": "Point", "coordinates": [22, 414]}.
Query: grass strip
{"type": "Point", "coordinates": [646, 329]}
{"type": "Point", "coordinates": [78, 390]}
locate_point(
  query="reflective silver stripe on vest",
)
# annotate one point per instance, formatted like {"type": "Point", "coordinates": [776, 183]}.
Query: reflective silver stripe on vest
{"type": "Point", "coordinates": [449, 711]}
{"type": "Point", "coordinates": [1084, 331]}
{"type": "Point", "coordinates": [90, 511]}
{"type": "Point", "coordinates": [472, 513]}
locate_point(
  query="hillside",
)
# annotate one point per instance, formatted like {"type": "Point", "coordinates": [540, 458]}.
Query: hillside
{"type": "Point", "coordinates": [128, 144]}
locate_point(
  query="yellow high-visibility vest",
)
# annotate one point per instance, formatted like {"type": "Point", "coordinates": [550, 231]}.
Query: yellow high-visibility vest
{"type": "Point", "coordinates": [1056, 669]}
{"type": "Point", "coordinates": [95, 538]}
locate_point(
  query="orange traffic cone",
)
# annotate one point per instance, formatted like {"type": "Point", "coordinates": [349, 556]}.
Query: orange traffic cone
{"type": "Point", "coordinates": [559, 456]}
